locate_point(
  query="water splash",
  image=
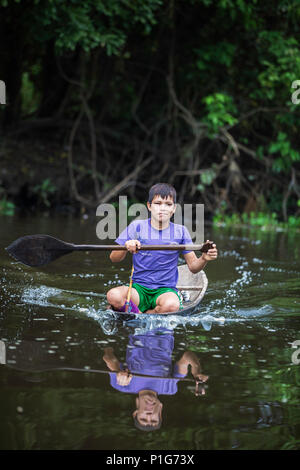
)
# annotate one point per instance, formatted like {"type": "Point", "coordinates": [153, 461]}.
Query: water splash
{"type": "Point", "coordinates": [110, 321]}
{"type": "Point", "coordinates": [39, 295]}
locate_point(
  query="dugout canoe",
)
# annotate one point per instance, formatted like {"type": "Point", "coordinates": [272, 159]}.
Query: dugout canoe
{"type": "Point", "coordinates": [192, 288]}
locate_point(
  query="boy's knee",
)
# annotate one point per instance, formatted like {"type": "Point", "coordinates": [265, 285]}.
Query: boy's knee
{"type": "Point", "coordinates": [170, 306]}
{"type": "Point", "coordinates": [115, 296]}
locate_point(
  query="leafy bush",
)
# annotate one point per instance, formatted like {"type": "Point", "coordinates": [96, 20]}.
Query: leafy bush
{"type": "Point", "coordinates": [44, 191]}
{"type": "Point", "coordinates": [6, 207]}
{"type": "Point", "coordinates": [266, 221]}
{"type": "Point", "coordinates": [220, 111]}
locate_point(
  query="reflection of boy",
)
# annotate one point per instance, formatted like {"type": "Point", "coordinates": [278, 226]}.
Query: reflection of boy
{"type": "Point", "coordinates": [150, 354]}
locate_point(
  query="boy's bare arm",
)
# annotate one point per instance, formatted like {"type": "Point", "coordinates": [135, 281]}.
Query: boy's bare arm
{"type": "Point", "coordinates": [111, 360]}
{"type": "Point", "coordinates": [131, 245]}
{"type": "Point", "coordinates": [196, 264]}
{"type": "Point", "coordinates": [189, 358]}
{"type": "Point", "coordinates": [123, 376]}
{"type": "Point", "coordinates": [117, 256]}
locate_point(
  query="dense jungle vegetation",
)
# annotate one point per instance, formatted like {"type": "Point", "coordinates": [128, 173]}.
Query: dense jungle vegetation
{"type": "Point", "coordinates": [107, 97]}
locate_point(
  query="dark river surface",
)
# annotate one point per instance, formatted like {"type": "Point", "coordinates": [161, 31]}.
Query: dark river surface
{"type": "Point", "coordinates": [54, 318]}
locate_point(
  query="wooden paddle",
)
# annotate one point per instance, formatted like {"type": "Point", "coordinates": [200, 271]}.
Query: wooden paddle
{"type": "Point", "coordinates": [127, 305]}
{"type": "Point", "coordinates": [39, 250]}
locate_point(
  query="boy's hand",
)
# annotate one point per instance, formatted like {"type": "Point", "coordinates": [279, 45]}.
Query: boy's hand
{"type": "Point", "coordinates": [133, 245]}
{"type": "Point", "coordinates": [124, 378]}
{"type": "Point", "coordinates": [201, 377]}
{"type": "Point", "coordinates": [212, 254]}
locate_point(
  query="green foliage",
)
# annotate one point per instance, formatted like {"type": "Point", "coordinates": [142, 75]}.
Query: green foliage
{"type": "Point", "coordinates": [292, 444]}
{"type": "Point", "coordinates": [266, 221]}
{"type": "Point", "coordinates": [206, 178]}
{"type": "Point", "coordinates": [287, 154]}
{"type": "Point", "coordinates": [6, 207]}
{"type": "Point", "coordinates": [293, 222]}
{"type": "Point", "coordinates": [275, 200]}
{"type": "Point", "coordinates": [220, 111]}
{"type": "Point", "coordinates": [30, 96]}
{"type": "Point", "coordinates": [44, 191]}
{"type": "Point", "coordinates": [232, 63]}
{"type": "Point", "coordinates": [221, 53]}
{"type": "Point", "coordinates": [92, 23]}
{"type": "Point", "coordinates": [260, 150]}
{"type": "Point", "coordinates": [280, 64]}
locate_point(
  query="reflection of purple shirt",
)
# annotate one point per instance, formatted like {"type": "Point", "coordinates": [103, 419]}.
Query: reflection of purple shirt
{"type": "Point", "coordinates": [150, 354]}
{"type": "Point", "coordinates": [155, 269]}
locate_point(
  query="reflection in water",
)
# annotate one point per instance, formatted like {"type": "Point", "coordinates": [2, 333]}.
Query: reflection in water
{"type": "Point", "coordinates": [31, 356]}
{"type": "Point", "coordinates": [150, 356]}
{"type": "Point", "coordinates": [262, 415]}
{"type": "Point", "coordinates": [149, 372]}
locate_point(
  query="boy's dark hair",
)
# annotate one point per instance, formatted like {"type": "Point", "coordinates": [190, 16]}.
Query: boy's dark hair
{"type": "Point", "coordinates": [146, 427]}
{"type": "Point", "coordinates": [162, 189]}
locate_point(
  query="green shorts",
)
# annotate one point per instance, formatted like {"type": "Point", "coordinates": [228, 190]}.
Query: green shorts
{"type": "Point", "coordinates": [148, 296]}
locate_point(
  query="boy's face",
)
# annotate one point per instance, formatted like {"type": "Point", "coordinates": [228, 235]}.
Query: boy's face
{"type": "Point", "coordinates": [161, 209]}
{"type": "Point", "coordinates": [148, 408]}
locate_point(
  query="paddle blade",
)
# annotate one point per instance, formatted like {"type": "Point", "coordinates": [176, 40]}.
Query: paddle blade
{"type": "Point", "coordinates": [38, 250]}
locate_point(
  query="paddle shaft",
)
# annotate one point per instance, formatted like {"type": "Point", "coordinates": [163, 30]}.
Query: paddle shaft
{"type": "Point", "coordinates": [99, 371]}
{"type": "Point", "coordinates": [143, 247]}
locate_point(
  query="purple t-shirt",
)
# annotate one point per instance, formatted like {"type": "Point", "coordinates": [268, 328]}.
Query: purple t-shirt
{"type": "Point", "coordinates": [150, 354]}
{"type": "Point", "coordinates": [155, 269]}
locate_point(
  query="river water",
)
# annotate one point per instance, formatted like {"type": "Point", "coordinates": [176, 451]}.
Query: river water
{"type": "Point", "coordinates": [55, 390]}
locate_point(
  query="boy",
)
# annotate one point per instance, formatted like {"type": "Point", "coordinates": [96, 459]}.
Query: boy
{"type": "Point", "coordinates": [155, 272]}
